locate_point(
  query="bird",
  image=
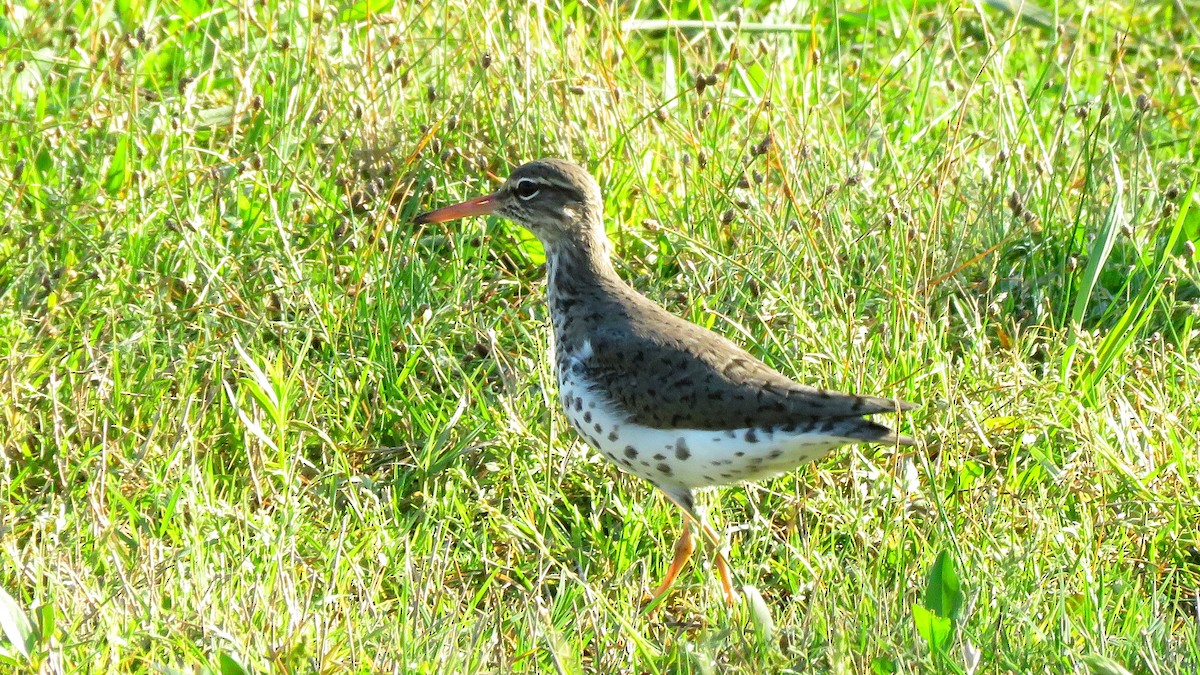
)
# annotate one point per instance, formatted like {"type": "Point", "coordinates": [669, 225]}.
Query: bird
{"type": "Point", "coordinates": [662, 398]}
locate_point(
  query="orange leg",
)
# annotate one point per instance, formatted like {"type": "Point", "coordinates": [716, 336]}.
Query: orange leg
{"type": "Point", "coordinates": [721, 563]}
{"type": "Point", "coordinates": [684, 548]}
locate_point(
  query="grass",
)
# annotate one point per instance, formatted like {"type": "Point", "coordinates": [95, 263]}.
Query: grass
{"type": "Point", "coordinates": [254, 420]}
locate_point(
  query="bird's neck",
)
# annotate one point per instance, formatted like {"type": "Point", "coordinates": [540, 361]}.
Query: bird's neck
{"type": "Point", "coordinates": [573, 267]}
{"type": "Point", "coordinates": [582, 288]}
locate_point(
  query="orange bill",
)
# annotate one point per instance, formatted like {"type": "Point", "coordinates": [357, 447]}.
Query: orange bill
{"type": "Point", "coordinates": [480, 206]}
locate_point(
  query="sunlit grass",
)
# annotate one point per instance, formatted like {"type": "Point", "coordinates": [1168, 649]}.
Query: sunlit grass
{"type": "Point", "coordinates": [253, 417]}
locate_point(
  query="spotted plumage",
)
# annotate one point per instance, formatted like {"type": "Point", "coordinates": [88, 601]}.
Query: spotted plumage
{"type": "Point", "coordinates": [662, 398]}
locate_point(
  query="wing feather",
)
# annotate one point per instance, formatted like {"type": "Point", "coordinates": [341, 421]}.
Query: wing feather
{"type": "Point", "coordinates": [678, 375]}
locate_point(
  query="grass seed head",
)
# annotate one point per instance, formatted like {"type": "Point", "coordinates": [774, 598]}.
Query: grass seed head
{"type": "Point", "coordinates": [763, 146]}
{"type": "Point", "coordinates": [1015, 204]}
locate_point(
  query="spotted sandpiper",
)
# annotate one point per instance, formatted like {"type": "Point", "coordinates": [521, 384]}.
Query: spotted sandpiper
{"type": "Point", "coordinates": [662, 398]}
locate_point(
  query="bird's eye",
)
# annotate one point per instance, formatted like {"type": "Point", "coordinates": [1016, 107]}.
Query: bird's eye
{"type": "Point", "coordinates": [527, 189]}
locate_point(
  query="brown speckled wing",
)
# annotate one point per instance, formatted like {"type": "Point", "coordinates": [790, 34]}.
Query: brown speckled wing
{"type": "Point", "coordinates": [669, 373]}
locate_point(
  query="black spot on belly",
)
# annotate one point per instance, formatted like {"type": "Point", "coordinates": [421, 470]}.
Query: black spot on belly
{"type": "Point", "coordinates": [587, 417]}
{"type": "Point", "coordinates": [664, 468]}
{"type": "Point", "coordinates": [775, 454]}
{"type": "Point", "coordinates": [751, 436]}
{"type": "Point", "coordinates": [739, 453]}
{"type": "Point", "coordinates": [660, 457]}
{"type": "Point", "coordinates": [631, 452]}
{"type": "Point", "coordinates": [599, 429]}
{"type": "Point", "coordinates": [828, 426]}
{"type": "Point", "coordinates": [612, 435]}
{"type": "Point", "coordinates": [681, 449]}
{"type": "Point", "coordinates": [578, 403]}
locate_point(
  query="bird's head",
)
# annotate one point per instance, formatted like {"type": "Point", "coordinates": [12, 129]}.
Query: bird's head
{"type": "Point", "coordinates": [556, 200]}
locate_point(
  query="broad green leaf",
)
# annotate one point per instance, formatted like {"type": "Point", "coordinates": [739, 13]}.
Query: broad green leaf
{"type": "Point", "coordinates": [1191, 218]}
{"type": "Point", "coordinates": [230, 665]}
{"type": "Point", "coordinates": [530, 246]}
{"type": "Point", "coordinates": [935, 630]}
{"type": "Point", "coordinates": [14, 624]}
{"type": "Point", "coordinates": [968, 474]}
{"type": "Point", "coordinates": [119, 170]}
{"type": "Point", "coordinates": [943, 594]}
{"type": "Point", "coordinates": [45, 622]}
{"type": "Point", "coordinates": [214, 117]}
{"type": "Point", "coordinates": [760, 613]}
{"type": "Point", "coordinates": [361, 10]}
{"type": "Point", "coordinates": [44, 162]}
{"type": "Point", "coordinates": [190, 9]}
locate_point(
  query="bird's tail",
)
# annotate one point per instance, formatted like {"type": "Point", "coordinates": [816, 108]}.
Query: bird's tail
{"type": "Point", "coordinates": [873, 432]}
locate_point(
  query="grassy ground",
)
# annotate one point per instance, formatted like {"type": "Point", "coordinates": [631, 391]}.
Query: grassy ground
{"type": "Point", "coordinates": [253, 418]}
